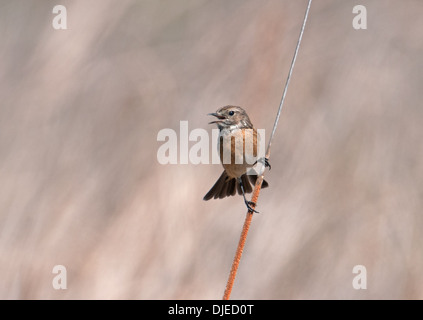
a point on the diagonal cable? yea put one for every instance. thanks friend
(257, 187)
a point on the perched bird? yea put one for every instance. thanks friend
(236, 156)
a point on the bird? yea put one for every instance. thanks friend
(237, 158)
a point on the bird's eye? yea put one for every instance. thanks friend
(231, 113)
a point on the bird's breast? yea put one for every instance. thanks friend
(238, 150)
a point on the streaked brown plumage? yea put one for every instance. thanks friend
(236, 132)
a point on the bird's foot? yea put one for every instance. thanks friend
(249, 204)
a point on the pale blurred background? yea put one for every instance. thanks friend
(81, 185)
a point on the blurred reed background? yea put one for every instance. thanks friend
(81, 185)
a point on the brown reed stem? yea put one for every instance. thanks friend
(257, 187)
(238, 255)
(241, 242)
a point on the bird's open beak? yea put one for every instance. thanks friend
(218, 116)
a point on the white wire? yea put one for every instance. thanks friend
(288, 79)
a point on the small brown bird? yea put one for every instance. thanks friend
(237, 157)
